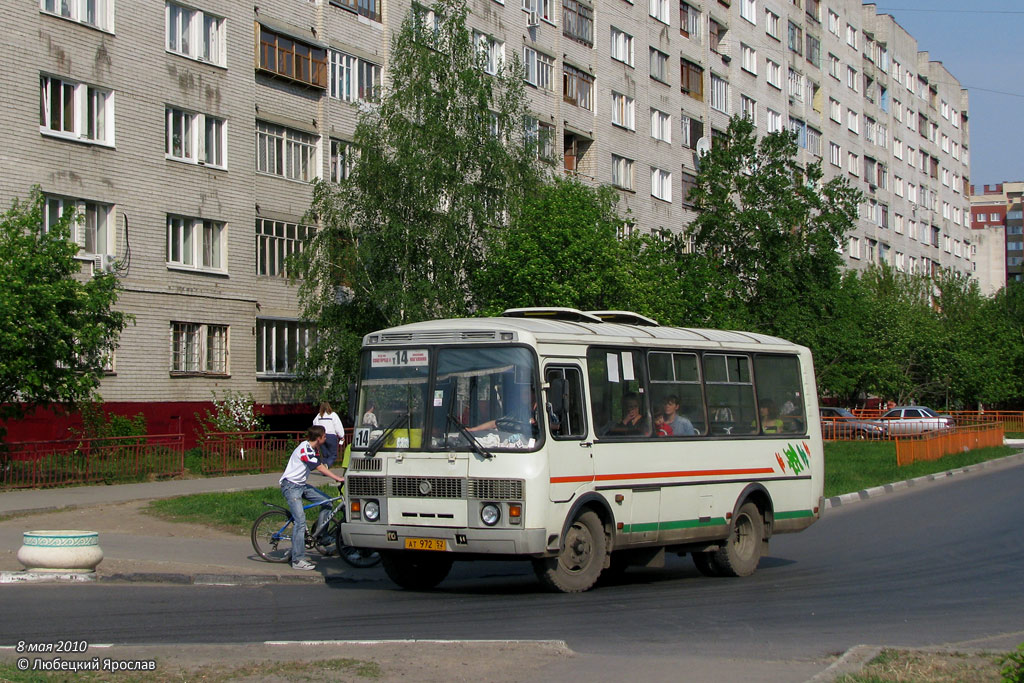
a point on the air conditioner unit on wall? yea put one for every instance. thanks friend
(103, 263)
(533, 19)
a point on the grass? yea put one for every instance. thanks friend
(166, 672)
(857, 465)
(907, 666)
(233, 512)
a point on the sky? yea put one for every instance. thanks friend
(980, 42)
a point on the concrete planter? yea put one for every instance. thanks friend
(60, 551)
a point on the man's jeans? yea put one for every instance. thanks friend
(294, 493)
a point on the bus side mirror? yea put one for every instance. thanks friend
(352, 403)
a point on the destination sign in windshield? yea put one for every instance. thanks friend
(400, 358)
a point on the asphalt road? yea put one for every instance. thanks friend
(942, 563)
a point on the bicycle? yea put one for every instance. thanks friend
(272, 535)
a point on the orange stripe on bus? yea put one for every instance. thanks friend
(661, 475)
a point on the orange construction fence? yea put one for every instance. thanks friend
(934, 445)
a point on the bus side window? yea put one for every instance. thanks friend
(779, 394)
(730, 394)
(565, 414)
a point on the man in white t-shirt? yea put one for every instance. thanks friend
(305, 459)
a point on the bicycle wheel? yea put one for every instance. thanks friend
(360, 558)
(272, 536)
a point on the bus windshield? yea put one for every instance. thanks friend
(459, 398)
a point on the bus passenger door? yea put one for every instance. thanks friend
(570, 455)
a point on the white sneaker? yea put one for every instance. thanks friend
(303, 564)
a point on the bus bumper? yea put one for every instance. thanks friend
(470, 541)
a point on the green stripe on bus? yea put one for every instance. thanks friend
(794, 514)
(678, 524)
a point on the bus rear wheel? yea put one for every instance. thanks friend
(416, 570)
(740, 553)
(705, 562)
(581, 559)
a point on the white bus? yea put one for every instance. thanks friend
(585, 442)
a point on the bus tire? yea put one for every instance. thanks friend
(705, 563)
(582, 556)
(416, 570)
(740, 553)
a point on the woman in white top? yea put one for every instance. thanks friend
(329, 420)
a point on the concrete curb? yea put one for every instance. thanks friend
(46, 577)
(866, 494)
(851, 661)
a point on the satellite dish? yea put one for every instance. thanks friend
(703, 146)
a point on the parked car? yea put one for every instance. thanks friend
(840, 423)
(915, 420)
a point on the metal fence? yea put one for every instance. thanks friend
(36, 464)
(934, 445)
(246, 452)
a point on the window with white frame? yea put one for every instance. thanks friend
(853, 121)
(795, 38)
(76, 111)
(91, 222)
(280, 344)
(661, 125)
(622, 111)
(539, 69)
(659, 10)
(276, 241)
(748, 108)
(353, 79)
(195, 138)
(692, 130)
(198, 348)
(855, 247)
(813, 141)
(541, 137)
(833, 23)
(343, 158)
(286, 152)
(852, 163)
(851, 36)
(661, 184)
(774, 121)
(773, 73)
(719, 94)
(795, 81)
(813, 52)
(748, 58)
(835, 111)
(622, 172)
(771, 24)
(578, 21)
(898, 223)
(833, 66)
(490, 51)
(689, 21)
(835, 154)
(852, 79)
(659, 65)
(897, 188)
(194, 34)
(748, 10)
(622, 46)
(98, 13)
(196, 243)
(577, 87)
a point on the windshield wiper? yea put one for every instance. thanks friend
(464, 430)
(379, 441)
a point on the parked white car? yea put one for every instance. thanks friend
(915, 420)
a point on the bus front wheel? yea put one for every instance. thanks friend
(740, 553)
(581, 559)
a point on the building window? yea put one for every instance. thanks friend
(276, 241)
(199, 349)
(835, 154)
(659, 10)
(661, 126)
(540, 137)
(813, 50)
(692, 131)
(98, 13)
(771, 24)
(195, 243)
(748, 58)
(689, 21)
(622, 172)
(773, 73)
(692, 80)
(716, 32)
(539, 68)
(367, 8)
(853, 121)
(774, 121)
(622, 46)
(833, 23)
(748, 10)
(343, 158)
(795, 38)
(286, 152)
(659, 65)
(293, 59)
(577, 87)
(195, 138)
(748, 109)
(813, 141)
(491, 50)
(833, 66)
(661, 184)
(91, 223)
(353, 79)
(280, 344)
(852, 81)
(853, 163)
(719, 94)
(578, 22)
(835, 111)
(795, 81)
(851, 36)
(622, 111)
(194, 34)
(689, 182)
(75, 110)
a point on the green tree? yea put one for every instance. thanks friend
(57, 328)
(443, 163)
(769, 229)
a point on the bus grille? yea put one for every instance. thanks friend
(427, 487)
(365, 486)
(365, 464)
(496, 489)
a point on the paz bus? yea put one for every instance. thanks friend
(584, 442)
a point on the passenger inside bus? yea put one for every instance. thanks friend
(632, 422)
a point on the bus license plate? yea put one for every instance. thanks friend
(425, 544)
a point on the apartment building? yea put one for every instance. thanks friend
(996, 216)
(186, 133)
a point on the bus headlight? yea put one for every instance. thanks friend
(490, 514)
(371, 510)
